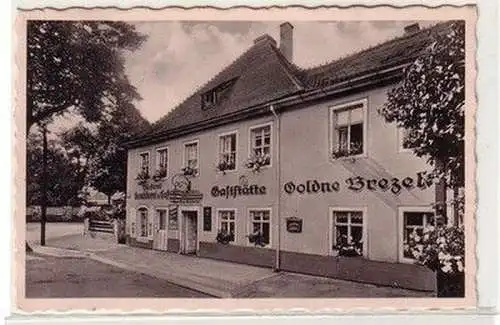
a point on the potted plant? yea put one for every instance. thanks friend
(356, 148)
(224, 237)
(257, 238)
(442, 249)
(257, 161)
(189, 171)
(143, 177)
(350, 248)
(225, 165)
(160, 174)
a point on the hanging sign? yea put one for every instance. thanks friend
(294, 225)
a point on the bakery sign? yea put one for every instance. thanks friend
(294, 225)
(421, 180)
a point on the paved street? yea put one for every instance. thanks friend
(53, 230)
(61, 277)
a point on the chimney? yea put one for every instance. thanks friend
(413, 28)
(286, 40)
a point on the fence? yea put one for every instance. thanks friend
(113, 229)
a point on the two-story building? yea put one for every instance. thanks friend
(273, 165)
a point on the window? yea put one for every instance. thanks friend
(414, 222)
(191, 156)
(260, 144)
(261, 223)
(162, 162)
(144, 163)
(215, 95)
(227, 152)
(227, 222)
(403, 135)
(348, 129)
(143, 222)
(348, 233)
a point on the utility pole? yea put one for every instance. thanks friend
(43, 187)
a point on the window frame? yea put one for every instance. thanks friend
(401, 228)
(364, 224)
(219, 225)
(164, 209)
(271, 144)
(250, 225)
(141, 161)
(187, 143)
(219, 153)
(157, 159)
(400, 136)
(333, 109)
(149, 224)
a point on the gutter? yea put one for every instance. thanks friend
(278, 187)
(300, 97)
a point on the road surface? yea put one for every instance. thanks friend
(60, 277)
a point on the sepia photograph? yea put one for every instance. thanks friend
(246, 159)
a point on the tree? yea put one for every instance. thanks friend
(64, 177)
(102, 148)
(430, 104)
(75, 66)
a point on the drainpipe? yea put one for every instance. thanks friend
(278, 187)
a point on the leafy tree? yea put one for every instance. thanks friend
(75, 66)
(429, 104)
(64, 178)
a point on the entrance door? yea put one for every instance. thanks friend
(160, 238)
(190, 221)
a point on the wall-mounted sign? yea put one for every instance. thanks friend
(151, 186)
(422, 181)
(175, 196)
(294, 225)
(232, 191)
(207, 218)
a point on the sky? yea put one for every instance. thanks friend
(180, 56)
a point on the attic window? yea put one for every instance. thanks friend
(215, 95)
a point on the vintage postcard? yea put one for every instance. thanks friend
(245, 159)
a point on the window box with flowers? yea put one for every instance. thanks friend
(257, 161)
(354, 150)
(189, 171)
(224, 166)
(442, 249)
(160, 174)
(257, 238)
(224, 237)
(142, 178)
(349, 248)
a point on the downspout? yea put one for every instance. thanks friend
(278, 187)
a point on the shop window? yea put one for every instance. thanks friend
(227, 223)
(348, 125)
(162, 162)
(260, 145)
(348, 233)
(414, 223)
(144, 163)
(191, 157)
(143, 222)
(261, 224)
(227, 152)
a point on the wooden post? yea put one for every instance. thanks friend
(43, 187)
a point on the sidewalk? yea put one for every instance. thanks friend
(216, 278)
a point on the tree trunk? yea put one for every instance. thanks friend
(43, 189)
(440, 197)
(109, 199)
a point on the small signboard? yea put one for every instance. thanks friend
(294, 225)
(207, 218)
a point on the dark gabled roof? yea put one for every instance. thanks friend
(398, 51)
(260, 75)
(263, 75)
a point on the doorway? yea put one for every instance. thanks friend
(160, 240)
(190, 231)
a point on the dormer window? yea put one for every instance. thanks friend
(214, 96)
